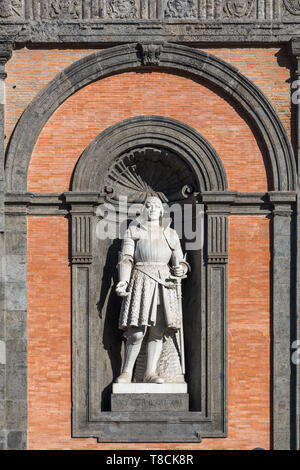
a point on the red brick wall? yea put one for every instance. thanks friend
(49, 319)
(29, 70)
(267, 68)
(108, 101)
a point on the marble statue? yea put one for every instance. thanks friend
(151, 266)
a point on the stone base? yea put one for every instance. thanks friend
(150, 402)
(150, 388)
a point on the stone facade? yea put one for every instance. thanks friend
(122, 72)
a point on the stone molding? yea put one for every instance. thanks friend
(115, 21)
(42, 204)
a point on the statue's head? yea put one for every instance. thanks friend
(153, 208)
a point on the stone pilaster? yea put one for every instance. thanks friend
(295, 50)
(5, 54)
(16, 328)
(217, 212)
(10, 351)
(81, 261)
(282, 303)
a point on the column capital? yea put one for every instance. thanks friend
(295, 47)
(295, 52)
(6, 49)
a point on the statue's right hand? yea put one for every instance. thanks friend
(121, 289)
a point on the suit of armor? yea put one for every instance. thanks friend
(150, 299)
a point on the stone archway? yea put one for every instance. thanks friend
(159, 131)
(167, 143)
(169, 57)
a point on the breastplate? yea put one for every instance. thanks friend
(152, 250)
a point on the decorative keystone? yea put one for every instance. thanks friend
(150, 53)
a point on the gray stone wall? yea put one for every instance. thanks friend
(14, 378)
(13, 305)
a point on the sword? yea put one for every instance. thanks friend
(177, 280)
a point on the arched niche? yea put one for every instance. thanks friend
(161, 132)
(177, 162)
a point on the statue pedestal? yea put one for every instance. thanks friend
(150, 397)
(150, 388)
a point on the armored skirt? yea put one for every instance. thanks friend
(147, 289)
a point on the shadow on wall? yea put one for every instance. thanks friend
(108, 306)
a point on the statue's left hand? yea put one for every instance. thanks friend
(121, 289)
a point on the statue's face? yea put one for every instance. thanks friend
(153, 208)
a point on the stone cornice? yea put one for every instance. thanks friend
(223, 202)
(97, 33)
(93, 22)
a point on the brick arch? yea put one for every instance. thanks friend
(173, 57)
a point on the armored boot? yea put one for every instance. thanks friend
(132, 349)
(154, 348)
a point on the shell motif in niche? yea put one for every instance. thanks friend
(149, 171)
